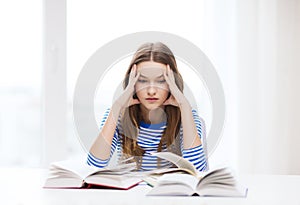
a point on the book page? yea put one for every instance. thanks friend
(174, 185)
(221, 175)
(78, 168)
(179, 161)
(71, 167)
(186, 179)
(220, 182)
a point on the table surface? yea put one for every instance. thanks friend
(24, 186)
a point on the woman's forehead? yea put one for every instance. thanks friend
(151, 69)
(153, 72)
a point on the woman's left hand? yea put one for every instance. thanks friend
(177, 98)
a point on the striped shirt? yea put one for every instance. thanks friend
(149, 138)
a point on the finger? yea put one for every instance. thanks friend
(166, 76)
(171, 73)
(132, 72)
(135, 79)
(168, 70)
(135, 70)
(137, 75)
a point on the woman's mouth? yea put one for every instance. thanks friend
(151, 100)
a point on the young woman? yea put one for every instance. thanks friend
(151, 115)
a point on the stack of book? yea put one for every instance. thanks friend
(183, 180)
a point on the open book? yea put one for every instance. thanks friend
(77, 174)
(216, 182)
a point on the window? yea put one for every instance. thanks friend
(20, 82)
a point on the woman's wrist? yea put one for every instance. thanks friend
(184, 105)
(117, 107)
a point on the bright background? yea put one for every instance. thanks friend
(254, 46)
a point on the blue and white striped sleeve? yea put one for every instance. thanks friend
(101, 163)
(197, 155)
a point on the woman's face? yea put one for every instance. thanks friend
(151, 87)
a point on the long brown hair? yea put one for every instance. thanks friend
(160, 53)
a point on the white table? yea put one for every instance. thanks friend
(24, 186)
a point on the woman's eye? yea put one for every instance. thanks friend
(142, 81)
(162, 81)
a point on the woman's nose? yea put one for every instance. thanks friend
(151, 89)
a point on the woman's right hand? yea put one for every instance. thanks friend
(126, 99)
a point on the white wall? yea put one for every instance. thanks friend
(208, 24)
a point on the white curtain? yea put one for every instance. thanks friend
(255, 47)
(268, 80)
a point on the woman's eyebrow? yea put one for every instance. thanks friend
(141, 76)
(147, 77)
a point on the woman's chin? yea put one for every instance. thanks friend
(152, 107)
